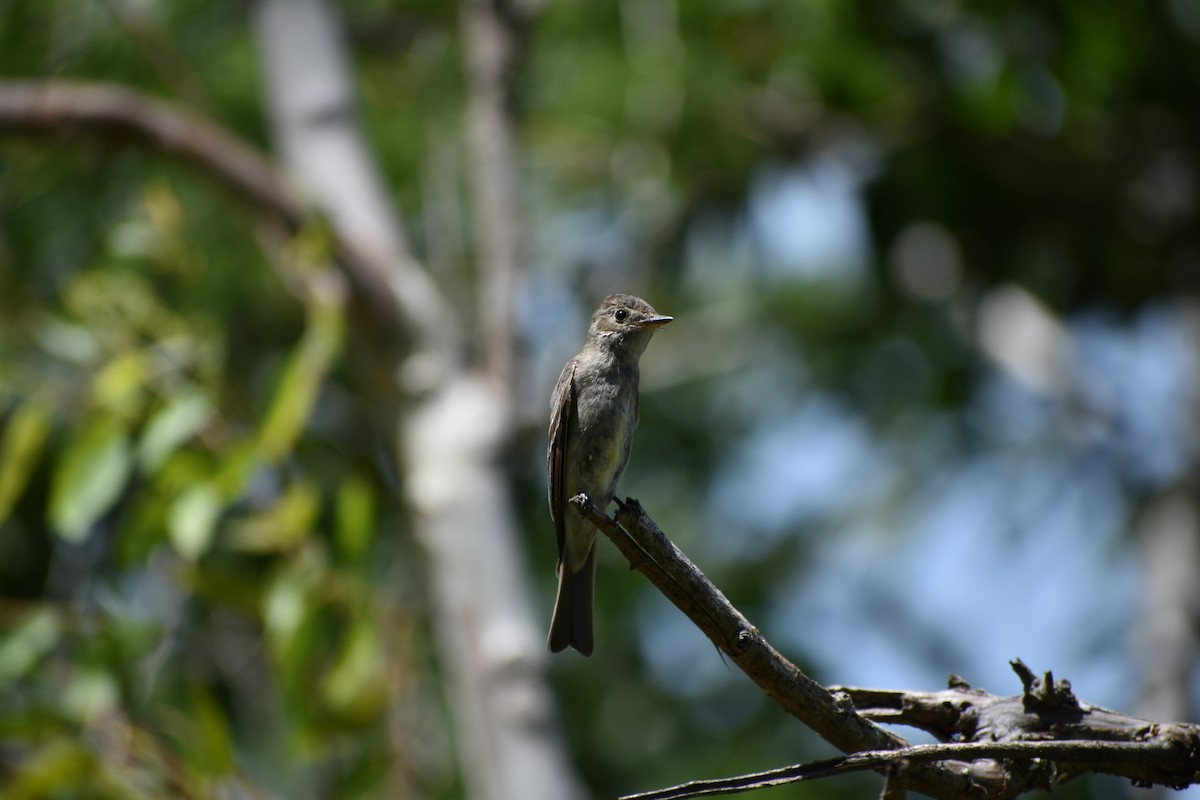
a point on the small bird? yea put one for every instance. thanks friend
(593, 413)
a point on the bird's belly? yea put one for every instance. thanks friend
(603, 461)
(602, 450)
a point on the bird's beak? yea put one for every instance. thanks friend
(654, 322)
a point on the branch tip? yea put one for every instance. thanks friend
(956, 681)
(1024, 673)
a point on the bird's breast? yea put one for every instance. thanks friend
(606, 407)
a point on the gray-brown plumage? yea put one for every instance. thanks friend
(593, 414)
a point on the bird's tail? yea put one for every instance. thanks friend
(571, 624)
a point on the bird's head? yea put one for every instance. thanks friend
(625, 323)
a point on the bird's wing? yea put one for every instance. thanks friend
(556, 450)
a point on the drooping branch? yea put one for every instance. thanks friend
(993, 747)
(62, 109)
(54, 110)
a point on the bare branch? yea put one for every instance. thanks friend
(996, 747)
(1089, 752)
(834, 719)
(1047, 709)
(91, 110)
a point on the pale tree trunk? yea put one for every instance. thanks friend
(452, 438)
(1165, 640)
(1168, 535)
(1034, 347)
(490, 45)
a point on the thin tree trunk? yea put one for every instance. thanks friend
(449, 444)
(1168, 536)
(490, 48)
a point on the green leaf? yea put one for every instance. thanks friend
(24, 439)
(210, 745)
(284, 606)
(300, 385)
(58, 768)
(354, 686)
(67, 340)
(237, 464)
(89, 478)
(193, 519)
(283, 525)
(120, 387)
(90, 694)
(179, 420)
(24, 647)
(355, 518)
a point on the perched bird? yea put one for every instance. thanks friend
(593, 413)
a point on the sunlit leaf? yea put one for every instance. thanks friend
(118, 304)
(67, 340)
(91, 693)
(355, 520)
(60, 768)
(301, 382)
(238, 464)
(120, 385)
(24, 647)
(163, 210)
(211, 748)
(355, 684)
(283, 608)
(179, 420)
(24, 439)
(192, 520)
(89, 478)
(133, 238)
(281, 526)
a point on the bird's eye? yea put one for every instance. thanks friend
(621, 315)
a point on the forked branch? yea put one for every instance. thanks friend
(992, 747)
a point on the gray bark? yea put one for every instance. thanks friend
(450, 442)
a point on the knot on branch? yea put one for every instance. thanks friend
(1044, 694)
(844, 702)
(743, 641)
(630, 511)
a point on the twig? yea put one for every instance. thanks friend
(1066, 752)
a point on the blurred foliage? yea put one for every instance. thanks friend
(206, 583)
